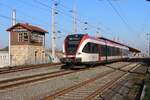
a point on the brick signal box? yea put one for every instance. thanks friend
(26, 44)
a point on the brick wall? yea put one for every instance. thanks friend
(27, 54)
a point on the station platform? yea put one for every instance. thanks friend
(140, 59)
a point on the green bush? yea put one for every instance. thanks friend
(147, 90)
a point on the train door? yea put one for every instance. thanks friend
(106, 52)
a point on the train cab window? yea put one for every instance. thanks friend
(72, 43)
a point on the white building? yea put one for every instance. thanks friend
(4, 58)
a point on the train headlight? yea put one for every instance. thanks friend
(78, 53)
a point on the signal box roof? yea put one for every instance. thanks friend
(28, 27)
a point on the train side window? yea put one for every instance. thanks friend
(111, 51)
(90, 48)
(114, 51)
(86, 48)
(108, 50)
(118, 52)
(103, 50)
(121, 52)
(94, 48)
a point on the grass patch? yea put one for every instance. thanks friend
(147, 90)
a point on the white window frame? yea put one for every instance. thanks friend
(20, 37)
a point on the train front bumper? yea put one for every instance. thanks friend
(71, 60)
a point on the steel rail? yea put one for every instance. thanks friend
(25, 67)
(4, 84)
(106, 87)
(71, 88)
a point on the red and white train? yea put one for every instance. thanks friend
(82, 49)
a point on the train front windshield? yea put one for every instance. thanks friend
(72, 43)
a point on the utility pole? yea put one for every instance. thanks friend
(74, 20)
(13, 23)
(14, 17)
(53, 35)
(148, 36)
(75, 23)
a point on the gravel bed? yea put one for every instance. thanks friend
(28, 72)
(117, 64)
(81, 93)
(40, 89)
(127, 89)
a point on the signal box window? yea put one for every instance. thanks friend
(20, 37)
(25, 37)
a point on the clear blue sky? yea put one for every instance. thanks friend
(130, 27)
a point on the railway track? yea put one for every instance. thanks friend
(25, 67)
(90, 88)
(14, 82)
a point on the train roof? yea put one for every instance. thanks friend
(134, 50)
(131, 49)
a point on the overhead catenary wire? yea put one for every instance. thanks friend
(99, 27)
(88, 23)
(68, 15)
(4, 25)
(24, 14)
(78, 20)
(121, 10)
(44, 8)
(33, 5)
(120, 16)
(18, 20)
(59, 11)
